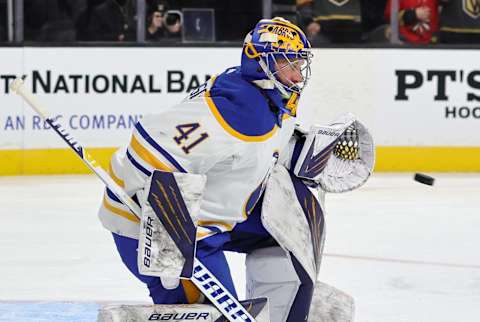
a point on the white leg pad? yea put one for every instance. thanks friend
(270, 273)
(140, 313)
(177, 312)
(329, 304)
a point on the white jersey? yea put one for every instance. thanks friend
(226, 130)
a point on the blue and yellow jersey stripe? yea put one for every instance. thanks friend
(204, 232)
(147, 155)
(137, 163)
(114, 175)
(152, 145)
(252, 200)
(207, 228)
(218, 226)
(230, 130)
(116, 207)
(236, 131)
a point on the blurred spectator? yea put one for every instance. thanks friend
(155, 29)
(3, 20)
(156, 19)
(162, 23)
(51, 20)
(113, 20)
(173, 25)
(418, 20)
(164, 26)
(335, 21)
(460, 22)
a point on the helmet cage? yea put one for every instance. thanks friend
(273, 68)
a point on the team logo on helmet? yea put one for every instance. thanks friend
(339, 3)
(472, 8)
(286, 38)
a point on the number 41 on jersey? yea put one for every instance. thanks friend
(187, 138)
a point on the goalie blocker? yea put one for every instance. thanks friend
(167, 239)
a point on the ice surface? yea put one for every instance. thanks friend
(405, 251)
(48, 312)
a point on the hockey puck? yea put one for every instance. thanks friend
(423, 178)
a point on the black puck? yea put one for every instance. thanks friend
(423, 178)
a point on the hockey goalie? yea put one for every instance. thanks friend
(227, 169)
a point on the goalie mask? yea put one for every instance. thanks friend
(275, 45)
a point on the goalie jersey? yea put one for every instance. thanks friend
(228, 129)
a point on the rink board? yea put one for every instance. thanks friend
(389, 159)
(420, 105)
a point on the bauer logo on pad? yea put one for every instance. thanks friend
(167, 202)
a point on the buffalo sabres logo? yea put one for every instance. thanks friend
(339, 3)
(472, 8)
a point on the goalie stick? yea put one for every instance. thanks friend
(206, 282)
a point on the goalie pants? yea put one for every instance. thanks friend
(244, 238)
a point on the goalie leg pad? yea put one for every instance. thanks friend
(179, 313)
(330, 304)
(274, 274)
(294, 217)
